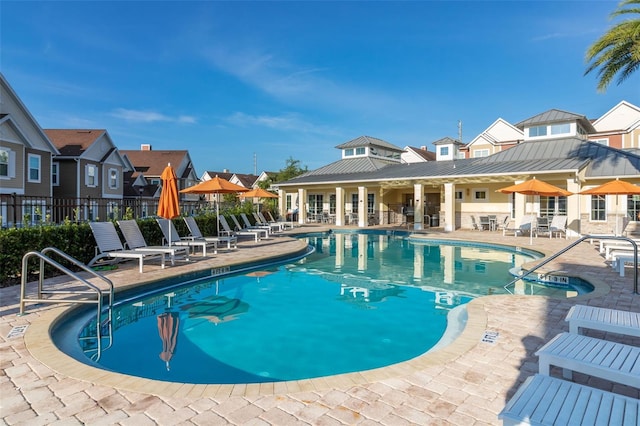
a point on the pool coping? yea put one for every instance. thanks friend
(38, 342)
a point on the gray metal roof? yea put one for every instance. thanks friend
(368, 140)
(531, 157)
(556, 116)
(447, 141)
(351, 165)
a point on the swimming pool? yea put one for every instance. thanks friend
(359, 301)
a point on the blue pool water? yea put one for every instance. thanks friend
(359, 301)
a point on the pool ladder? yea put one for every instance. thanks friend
(103, 327)
(575, 243)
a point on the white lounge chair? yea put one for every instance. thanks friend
(109, 246)
(604, 319)
(172, 237)
(134, 240)
(544, 400)
(558, 226)
(285, 224)
(622, 258)
(524, 227)
(196, 234)
(228, 231)
(264, 233)
(257, 225)
(261, 220)
(611, 361)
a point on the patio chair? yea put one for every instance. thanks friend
(504, 224)
(172, 237)
(474, 224)
(109, 246)
(196, 234)
(485, 223)
(134, 240)
(263, 232)
(228, 231)
(558, 226)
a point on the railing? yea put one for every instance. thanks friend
(92, 290)
(575, 243)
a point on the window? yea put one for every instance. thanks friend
(4, 163)
(113, 211)
(480, 153)
(537, 131)
(315, 203)
(332, 204)
(553, 206)
(288, 202)
(371, 203)
(34, 168)
(603, 141)
(560, 129)
(91, 178)
(354, 203)
(444, 151)
(459, 196)
(598, 207)
(113, 178)
(348, 152)
(360, 151)
(480, 194)
(55, 174)
(633, 207)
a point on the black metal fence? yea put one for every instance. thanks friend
(19, 210)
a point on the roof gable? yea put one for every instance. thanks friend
(369, 141)
(623, 116)
(155, 161)
(556, 116)
(74, 142)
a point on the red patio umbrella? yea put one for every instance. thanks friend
(168, 323)
(169, 206)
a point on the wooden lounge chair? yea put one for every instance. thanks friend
(544, 400)
(196, 234)
(611, 361)
(604, 319)
(134, 240)
(172, 237)
(228, 231)
(109, 246)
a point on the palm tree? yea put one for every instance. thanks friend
(618, 50)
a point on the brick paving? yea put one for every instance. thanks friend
(465, 383)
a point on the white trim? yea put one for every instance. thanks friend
(39, 158)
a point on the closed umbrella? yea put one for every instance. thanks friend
(168, 323)
(169, 206)
(614, 187)
(217, 185)
(535, 187)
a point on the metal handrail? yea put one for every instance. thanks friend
(575, 243)
(93, 289)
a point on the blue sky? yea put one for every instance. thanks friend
(237, 81)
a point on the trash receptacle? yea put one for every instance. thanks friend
(435, 220)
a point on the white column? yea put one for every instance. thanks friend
(362, 206)
(302, 206)
(418, 206)
(362, 251)
(418, 262)
(573, 208)
(339, 206)
(282, 203)
(521, 205)
(449, 212)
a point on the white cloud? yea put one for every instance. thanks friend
(150, 116)
(288, 122)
